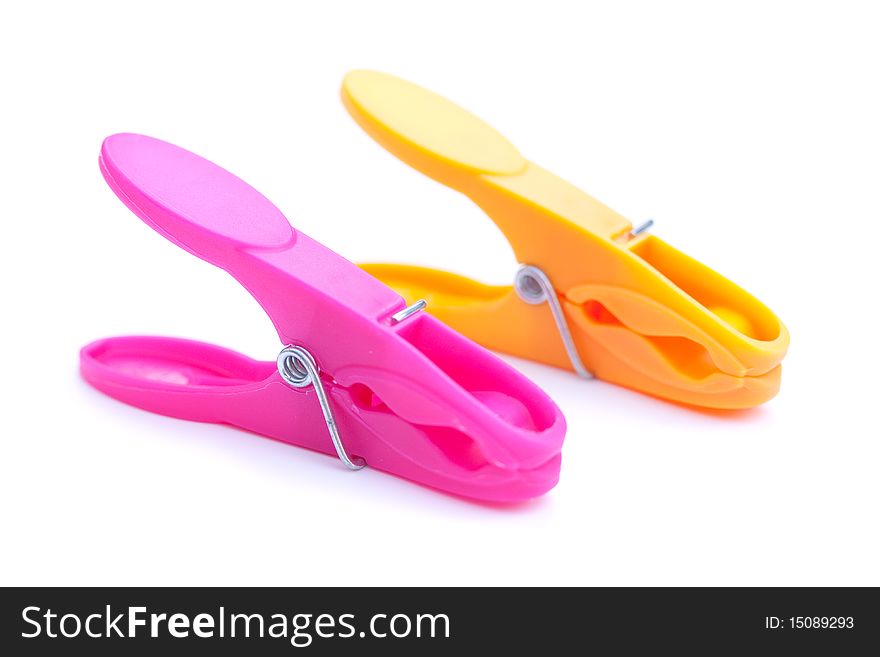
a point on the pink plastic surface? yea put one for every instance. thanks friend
(415, 399)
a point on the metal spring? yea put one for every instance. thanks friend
(298, 369)
(534, 287)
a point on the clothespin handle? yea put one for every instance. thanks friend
(540, 214)
(306, 289)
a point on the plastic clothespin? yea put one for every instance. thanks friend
(624, 306)
(361, 375)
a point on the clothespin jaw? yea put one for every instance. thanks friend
(361, 374)
(640, 313)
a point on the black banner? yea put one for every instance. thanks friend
(114, 621)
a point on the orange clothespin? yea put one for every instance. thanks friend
(624, 306)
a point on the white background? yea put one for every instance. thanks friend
(749, 131)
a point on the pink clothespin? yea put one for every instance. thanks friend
(360, 376)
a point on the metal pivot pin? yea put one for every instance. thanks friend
(401, 315)
(298, 369)
(534, 287)
(641, 228)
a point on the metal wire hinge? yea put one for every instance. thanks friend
(534, 287)
(298, 369)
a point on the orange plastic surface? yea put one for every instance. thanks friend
(642, 314)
